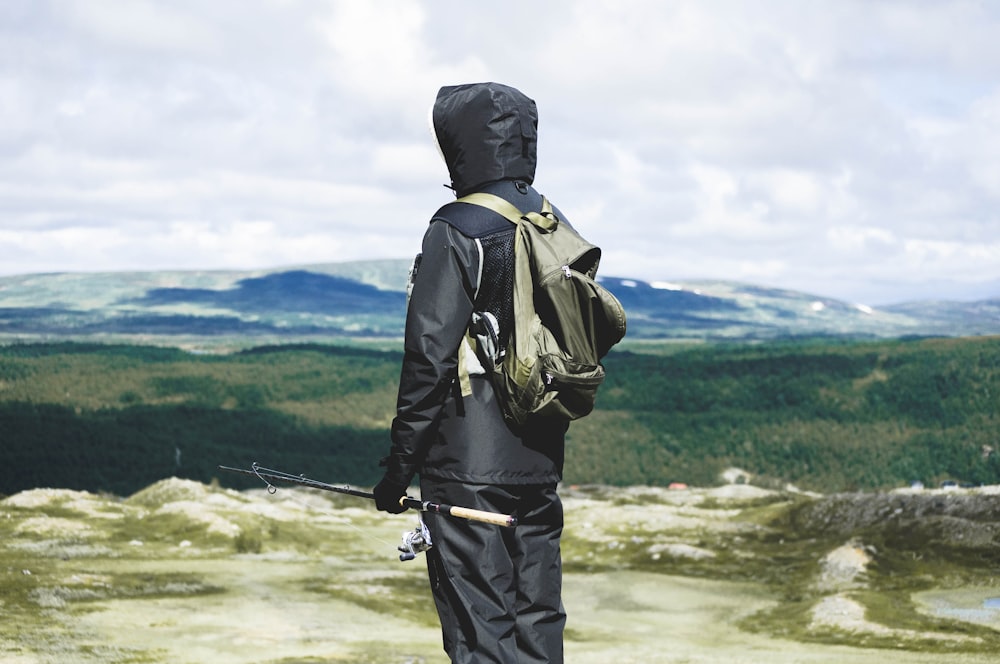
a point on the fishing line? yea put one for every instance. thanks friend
(414, 542)
(271, 489)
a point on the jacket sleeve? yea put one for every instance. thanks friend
(437, 318)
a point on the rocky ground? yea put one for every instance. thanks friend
(184, 572)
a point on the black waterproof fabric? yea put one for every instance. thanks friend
(498, 592)
(436, 432)
(487, 132)
(496, 237)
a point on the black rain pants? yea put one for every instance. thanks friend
(498, 591)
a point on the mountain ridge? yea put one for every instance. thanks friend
(366, 299)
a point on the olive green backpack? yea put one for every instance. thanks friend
(564, 321)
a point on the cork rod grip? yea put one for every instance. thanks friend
(504, 520)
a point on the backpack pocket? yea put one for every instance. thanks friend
(554, 386)
(588, 317)
(570, 387)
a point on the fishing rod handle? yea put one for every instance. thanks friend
(504, 520)
(494, 518)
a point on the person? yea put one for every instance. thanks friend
(498, 591)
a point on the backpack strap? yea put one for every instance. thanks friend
(545, 220)
(467, 345)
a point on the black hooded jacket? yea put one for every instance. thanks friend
(487, 135)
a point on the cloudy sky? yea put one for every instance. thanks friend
(846, 149)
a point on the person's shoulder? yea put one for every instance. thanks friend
(524, 196)
(473, 221)
(476, 221)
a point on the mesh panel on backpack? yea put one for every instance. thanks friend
(496, 290)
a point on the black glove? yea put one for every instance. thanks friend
(387, 495)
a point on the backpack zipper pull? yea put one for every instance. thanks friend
(566, 272)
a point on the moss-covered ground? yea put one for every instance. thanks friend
(188, 572)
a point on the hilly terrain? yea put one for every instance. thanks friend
(751, 487)
(822, 415)
(366, 300)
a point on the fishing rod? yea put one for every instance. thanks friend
(413, 542)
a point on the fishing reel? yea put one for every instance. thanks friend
(414, 542)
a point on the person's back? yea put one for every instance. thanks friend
(498, 594)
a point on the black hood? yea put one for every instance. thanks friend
(486, 132)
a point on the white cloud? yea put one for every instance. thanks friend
(140, 24)
(841, 147)
(860, 239)
(960, 260)
(381, 53)
(408, 163)
(796, 191)
(725, 211)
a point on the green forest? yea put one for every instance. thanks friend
(823, 415)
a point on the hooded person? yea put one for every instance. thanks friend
(497, 590)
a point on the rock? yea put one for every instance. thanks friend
(966, 519)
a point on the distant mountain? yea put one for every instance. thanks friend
(367, 299)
